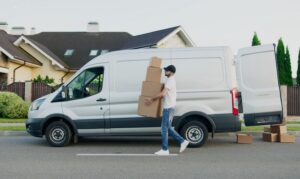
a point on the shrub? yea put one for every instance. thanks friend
(12, 106)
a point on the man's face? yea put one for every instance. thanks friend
(168, 73)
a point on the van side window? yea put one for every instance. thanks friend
(87, 83)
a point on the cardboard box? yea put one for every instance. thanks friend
(270, 137)
(150, 88)
(244, 139)
(155, 62)
(153, 74)
(279, 129)
(154, 110)
(287, 138)
(267, 129)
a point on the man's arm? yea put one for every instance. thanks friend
(158, 96)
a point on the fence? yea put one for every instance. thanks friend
(17, 87)
(293, 100)
(39, 89)
(35, 90)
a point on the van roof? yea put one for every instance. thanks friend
(104, 58)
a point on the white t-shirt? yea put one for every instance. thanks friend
(170, 97)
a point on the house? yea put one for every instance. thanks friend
(59, 55)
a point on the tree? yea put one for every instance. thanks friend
(298, 71)
(46, 80)
(255, 40)
(38, 79)
(280, 55)
(288, 68)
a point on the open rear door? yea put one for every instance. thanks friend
(259, 86)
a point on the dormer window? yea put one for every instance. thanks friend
(93, 52)
(104, 51)
(69, 52)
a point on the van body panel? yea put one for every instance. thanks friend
(126, 83)
(259, 85)
(205, 85)
(206, 101)
(84, 110)
(226, 122)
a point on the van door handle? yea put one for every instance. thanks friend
(101, 99)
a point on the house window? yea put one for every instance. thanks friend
(104, 51)
(69, 52)
(93, 52)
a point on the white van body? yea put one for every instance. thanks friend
(205, 78)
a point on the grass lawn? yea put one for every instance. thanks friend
(244, 129)
(293, 122)
(6, 120)
(261, 128)
(12, 128)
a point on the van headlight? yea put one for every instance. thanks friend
(36, 104)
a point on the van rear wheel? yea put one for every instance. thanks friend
(58, 134)
(195, 132)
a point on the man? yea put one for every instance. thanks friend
(169, 95)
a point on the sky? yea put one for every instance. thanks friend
(208, 22)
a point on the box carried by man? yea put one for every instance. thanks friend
(150, 87)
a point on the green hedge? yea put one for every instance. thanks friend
(12, 106)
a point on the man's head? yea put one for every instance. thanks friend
(170, 70)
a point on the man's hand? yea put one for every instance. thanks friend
(149, 101)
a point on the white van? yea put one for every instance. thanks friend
(102, 97)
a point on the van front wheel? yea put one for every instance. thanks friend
(195, 132)
(58, 134)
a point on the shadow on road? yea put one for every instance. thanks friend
(130, 141)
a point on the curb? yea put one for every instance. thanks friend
(295, 133)
(13, 133)
(231, 134)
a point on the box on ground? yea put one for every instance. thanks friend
(155, 62)
(150, 88)
(287, 138)
(153, 74)
(153, 110)
(244, 139)
(279, 129)
(267, 129)
(270, 137)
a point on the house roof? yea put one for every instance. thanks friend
(54, 45)
(148, 39)
(57, 43)
(49, 52)
(6, 43)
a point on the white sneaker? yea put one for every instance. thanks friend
(183, 145)
(162, 152)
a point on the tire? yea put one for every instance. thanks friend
(195, 132)
(58, 134)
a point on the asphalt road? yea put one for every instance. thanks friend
(29, 157)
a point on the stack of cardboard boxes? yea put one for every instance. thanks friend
(151, 87)
(278, 133)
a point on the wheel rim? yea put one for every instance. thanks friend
(57, 135)
(194, 134)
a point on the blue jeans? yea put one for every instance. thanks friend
(166, 127)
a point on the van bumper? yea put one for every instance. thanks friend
(34, 127)
(226, 123)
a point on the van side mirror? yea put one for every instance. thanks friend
(64, 92)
